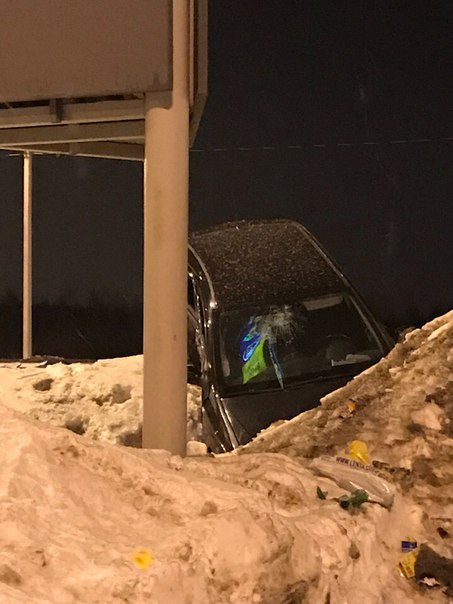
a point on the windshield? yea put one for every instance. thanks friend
(262, 347)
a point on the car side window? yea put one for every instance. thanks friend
(193, 354)
(195, 302)
(190, 292)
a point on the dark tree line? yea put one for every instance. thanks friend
(95, 330)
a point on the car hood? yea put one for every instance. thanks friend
(252, 412)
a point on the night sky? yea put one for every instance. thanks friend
(337, 113)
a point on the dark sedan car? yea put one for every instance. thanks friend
(274, 325)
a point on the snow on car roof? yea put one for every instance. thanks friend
(264, 261)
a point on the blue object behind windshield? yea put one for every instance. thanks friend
(249, 340)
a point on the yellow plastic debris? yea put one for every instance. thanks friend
(142, 558)
(351, 406)
(406, 564)
(348, 410)
(358, 450)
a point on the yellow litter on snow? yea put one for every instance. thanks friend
(406, 564)
(358, 450)
(142, 558)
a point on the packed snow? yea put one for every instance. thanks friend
(101, 400)
(96, 522)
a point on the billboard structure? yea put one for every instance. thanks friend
(121, 80)
(74, 74)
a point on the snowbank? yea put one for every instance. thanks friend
(102, 400)
(239, 528)
(229, 530)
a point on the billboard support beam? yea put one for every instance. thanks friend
(105, 150)
(73, 113)
(166, 186)
(27, 260)
(131, 130)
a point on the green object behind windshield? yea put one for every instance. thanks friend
(255, 365)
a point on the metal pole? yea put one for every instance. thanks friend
(27, 261)
(166, 186)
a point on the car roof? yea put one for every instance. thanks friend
(265, 261)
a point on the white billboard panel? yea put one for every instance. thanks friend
(84, 48)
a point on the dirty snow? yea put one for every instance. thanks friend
(238, 528)
(101, 400)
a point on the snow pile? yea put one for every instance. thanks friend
(102, 400)
(227, 530)
(233, 529)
